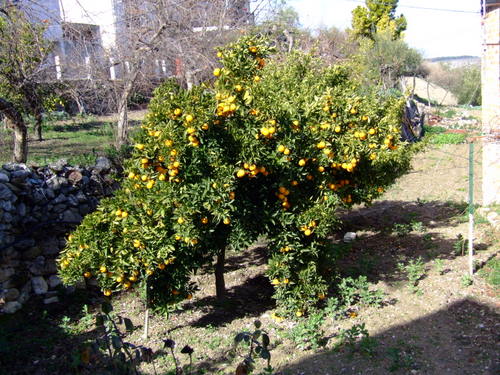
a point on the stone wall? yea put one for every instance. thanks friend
(491, 107)
(38, 207)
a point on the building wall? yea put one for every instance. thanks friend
(491, 107)
(94, 12)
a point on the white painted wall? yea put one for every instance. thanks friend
(94, 12)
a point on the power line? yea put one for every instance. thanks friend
(423, 8)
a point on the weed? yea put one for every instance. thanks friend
(417, 226)
(358, 339)
(352, 291)
(258, 347)
(439, 263)
(414, 270)
(82, 325)
(402, 357)
(491, 272)
(308, 334)
(447, 138)
(466, 280)
(401, 229)
(460, 245)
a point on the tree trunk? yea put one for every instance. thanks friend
(20, 130)
(220, 285)
(38, 125)
(122, 126)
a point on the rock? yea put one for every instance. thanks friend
(21, 209)
(39, 285)
(61, 198)
(6, 206)
(36, 268)
(25, 243)
(11, 307)
(11, 294)
(31, 253)
(49, 300)
(54, 281)
(56, 182)
(59, 165)
(11, 167)
(72, 216)
(349, 237)
(84, 209)
(50, 267)
(50, 246)
(4, 177)
(75, 177)
(19, 176)
(25, 293)
(5, 192)
(103, 163)
(6, 273)
(49, 193)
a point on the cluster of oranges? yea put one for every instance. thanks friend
(282, 195)
(251, 170)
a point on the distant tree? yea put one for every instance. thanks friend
(384, 60)
(377, 16)
(282, 26)
(23, 52)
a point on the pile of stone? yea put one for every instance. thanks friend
(38, 207)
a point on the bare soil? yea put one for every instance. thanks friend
(448, 327)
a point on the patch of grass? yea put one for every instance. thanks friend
(491, 272)
(447, 139)
(434, 129)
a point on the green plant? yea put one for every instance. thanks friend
(439, 263)
(216, 167)
(460, 245)
(491, 272)
(81, 325)
(187, 350)
(417, 226)
(401, 229)
(307, 333)
(466, 280)
(119, 356)
(448, 139)
(258, 347)
(352, 291)
(402, 357)
(358, 339)
(414, 270)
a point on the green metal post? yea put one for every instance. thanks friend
(471, 208)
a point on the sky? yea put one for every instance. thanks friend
(433, 32)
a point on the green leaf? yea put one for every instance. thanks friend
(129, 326)
(257, 324)
(265, 340)
(116, 342)
(106, 307)
(264, 354)
(99, 320)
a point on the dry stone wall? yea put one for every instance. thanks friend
(38, 207)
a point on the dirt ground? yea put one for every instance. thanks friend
(447, 327)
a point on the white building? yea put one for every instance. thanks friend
(89, 30)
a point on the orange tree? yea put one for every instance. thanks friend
(270, 149)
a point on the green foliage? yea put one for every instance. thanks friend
(460, 245)
(402, 357)
(448, 139)
(414, 270)
(377, 16)
(352, 291)
(258, 343)
(308, 334)
(491, 272)
(23, 50)
(272, 148)
(466, 280)
(439, 263)
(383, 60)
(358, 339)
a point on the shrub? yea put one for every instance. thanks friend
(271, 148)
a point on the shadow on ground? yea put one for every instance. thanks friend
(459, 339)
